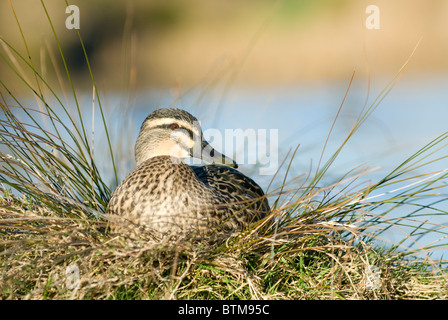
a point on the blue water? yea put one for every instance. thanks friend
(411, 115)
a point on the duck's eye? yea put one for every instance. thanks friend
(174, 126)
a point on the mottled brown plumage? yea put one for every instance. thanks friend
(164, 197)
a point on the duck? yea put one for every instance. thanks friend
(165, 198)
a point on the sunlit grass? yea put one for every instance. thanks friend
(320, 241)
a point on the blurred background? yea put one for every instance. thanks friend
(185, 43)
(281, 66)
(274, 65)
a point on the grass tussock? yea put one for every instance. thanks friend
(45, 256)
(322, 240)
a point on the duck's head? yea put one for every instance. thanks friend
(176, 133)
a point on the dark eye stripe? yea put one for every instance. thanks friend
(168, 126)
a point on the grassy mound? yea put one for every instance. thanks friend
(321, 240)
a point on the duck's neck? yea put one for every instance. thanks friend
(162, 160)
(168, 149)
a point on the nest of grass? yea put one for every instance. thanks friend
(44, 256)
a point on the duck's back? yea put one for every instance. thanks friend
(235, 191)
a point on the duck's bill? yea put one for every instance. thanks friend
(211, 156)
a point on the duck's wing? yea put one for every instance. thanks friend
(232, 185)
